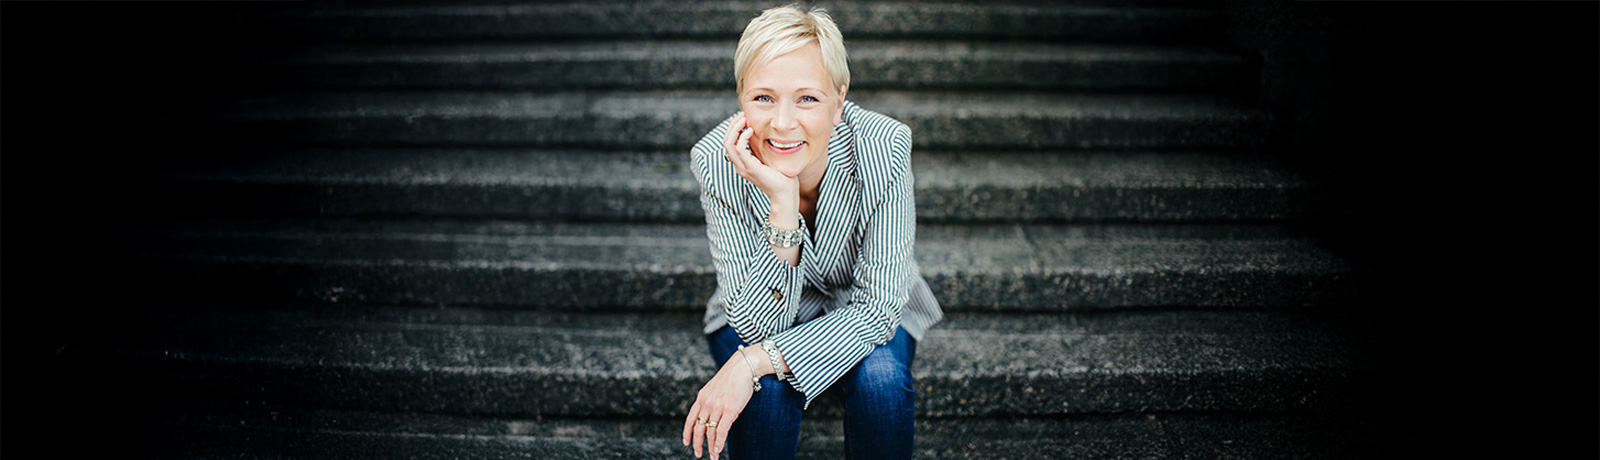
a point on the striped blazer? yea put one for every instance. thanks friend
(857, 278)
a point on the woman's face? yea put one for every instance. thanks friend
(791, 108)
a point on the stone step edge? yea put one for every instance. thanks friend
(1030, 267)
(634, 186)
(321, 363)
(1143, 23)
(358, 435)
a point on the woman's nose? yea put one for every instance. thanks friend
(785, 119)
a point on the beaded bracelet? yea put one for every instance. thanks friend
(754, 379)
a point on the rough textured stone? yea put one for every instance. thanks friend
(677, 119)
(659, 266)
(631, 186)
(210, 433)
(726, 19)
(532, 364)
(874, 64)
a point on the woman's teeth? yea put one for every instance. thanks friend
(785, 146)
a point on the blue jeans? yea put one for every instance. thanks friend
(879, 405)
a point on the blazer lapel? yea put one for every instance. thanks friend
(836, 210)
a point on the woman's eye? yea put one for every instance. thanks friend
(763, 98)
(808, 99)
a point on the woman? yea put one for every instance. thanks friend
(809, 209)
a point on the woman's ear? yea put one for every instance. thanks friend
(838, 116)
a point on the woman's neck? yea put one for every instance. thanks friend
(811, 180)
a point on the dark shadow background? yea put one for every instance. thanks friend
(1460, 141)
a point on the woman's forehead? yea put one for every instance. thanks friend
(799, 69)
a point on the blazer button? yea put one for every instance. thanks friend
(776, 295)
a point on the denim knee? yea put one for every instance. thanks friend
(885, 374)
(880, 404)
(880, 376)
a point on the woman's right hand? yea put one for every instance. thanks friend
(778, 187)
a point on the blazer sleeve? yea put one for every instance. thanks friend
(822, 350)
(762, 292)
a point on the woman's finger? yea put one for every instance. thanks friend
(688, 424)
(739, 156)
(711, 438)
(723, 425)
(699, 433)
(734, 125)
(730, 138)
(746, 148)
(744, 140)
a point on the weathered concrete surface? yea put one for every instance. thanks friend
(209, 433)
(1173, 22)
(672, 120)
(668, 266)
(541, 364)
(657, 186)
(874, 64)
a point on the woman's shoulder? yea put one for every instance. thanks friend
(883, 145)
(872, 126)
(711, 143)
(705, 159)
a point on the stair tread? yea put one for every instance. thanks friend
(667, 267)
(969, 364)
(860, 50)
(354, 434)
(679, 118)
(657, 186)
(727, 19)
(682, 248)
(669, 171)
(875, 64)
(629, 345)
(713, 106)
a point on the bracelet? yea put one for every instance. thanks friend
(754, 378)
(777, 368)
(783, 238)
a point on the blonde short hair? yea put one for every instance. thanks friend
(787, 28)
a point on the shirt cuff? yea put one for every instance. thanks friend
(821, 351)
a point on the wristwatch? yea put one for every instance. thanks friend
(772, 353)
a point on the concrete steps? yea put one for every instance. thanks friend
(531, 364)
(674, 120)
(429, 230)
(674, 64)
(583, 185)
(212, 433)
(1173, 22)
(640, 266)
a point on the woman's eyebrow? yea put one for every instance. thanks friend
(805, 88)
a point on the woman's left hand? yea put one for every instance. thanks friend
(720, 401)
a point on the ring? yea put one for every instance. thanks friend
(727, 157)
(702, 420)
(711, 424)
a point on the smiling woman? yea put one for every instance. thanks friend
(811, 219)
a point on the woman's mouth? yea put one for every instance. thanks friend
(784, 147)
